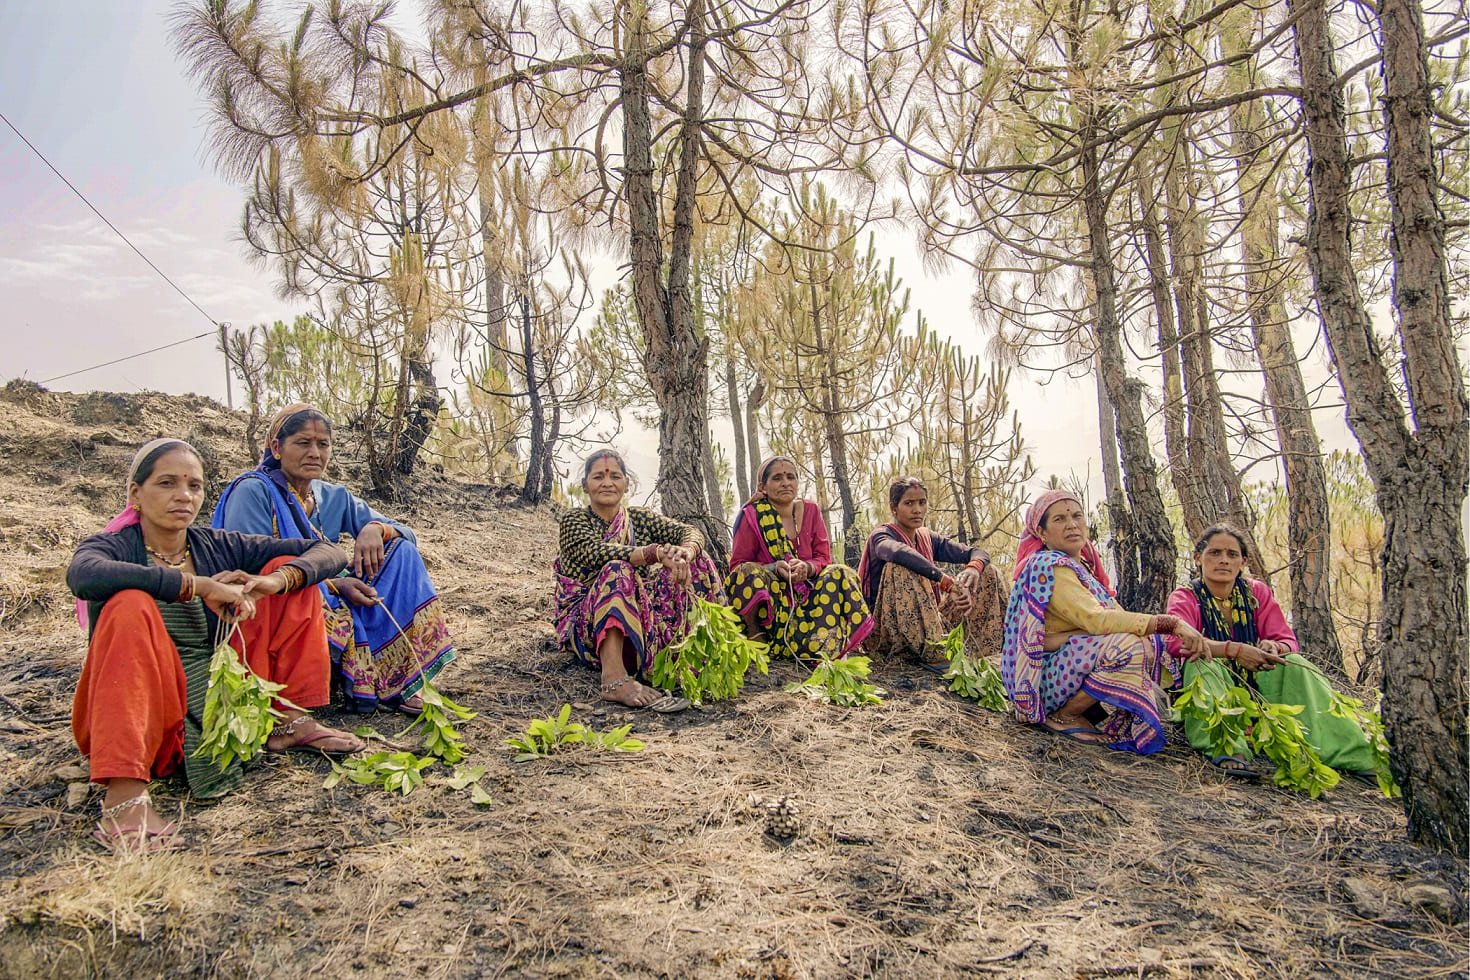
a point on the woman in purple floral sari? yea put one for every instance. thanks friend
(1071, 656)
(626, 578)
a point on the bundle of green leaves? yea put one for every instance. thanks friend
(556, 733)
(711, 662)
(402, 771)
(1238, 721)
(239, 711)
(841, 682)
(977, 680)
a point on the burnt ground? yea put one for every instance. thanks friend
(935, 838)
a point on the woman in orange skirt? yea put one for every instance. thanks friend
(156, 589)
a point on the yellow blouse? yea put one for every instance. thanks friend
(1073, 607)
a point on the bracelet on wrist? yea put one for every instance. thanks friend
(946, 584)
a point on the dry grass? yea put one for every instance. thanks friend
(937, 839)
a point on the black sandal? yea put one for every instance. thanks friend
(1235, 767)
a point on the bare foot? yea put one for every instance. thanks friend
(304, 732)
(627, 691)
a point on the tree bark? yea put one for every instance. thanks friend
(536, 459)
(1122, 543)
(677, 354)
(753, 403)
(1421, 477)
(1150, 523)
(1184, 476)
(1215, 482)
(835, 435)
(737, 423)
(1309, 525)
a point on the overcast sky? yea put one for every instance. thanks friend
(96, 86)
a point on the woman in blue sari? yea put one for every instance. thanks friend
(385, 588)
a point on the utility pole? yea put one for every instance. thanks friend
(224, 348)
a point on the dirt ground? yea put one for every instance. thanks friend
(936, 838)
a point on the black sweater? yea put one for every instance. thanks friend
(106, 564)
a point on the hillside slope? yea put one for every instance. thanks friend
(937, 839)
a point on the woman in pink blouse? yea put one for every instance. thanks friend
(782, 580)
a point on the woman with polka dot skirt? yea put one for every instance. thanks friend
(782, 579)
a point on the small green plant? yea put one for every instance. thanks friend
(555, 733)
(396, 772)
(402, 771)
(977, 680)
(711, 662)
(441, 739)
(239, 711)
(1237, 721)
(840, 682)
(1370, 720)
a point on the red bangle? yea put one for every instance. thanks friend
(978, 564)
(946, 584)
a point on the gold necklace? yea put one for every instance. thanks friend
(179, 559)
(307, 500)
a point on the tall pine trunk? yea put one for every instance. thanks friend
(1309, 530)
(1149, 523)
(677, 354)
(1421, 476)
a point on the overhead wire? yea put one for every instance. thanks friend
(115, 230)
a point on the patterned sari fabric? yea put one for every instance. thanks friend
(823, 616)
(643, 603)
(378, 663)
(1120, 670)
(911, 620)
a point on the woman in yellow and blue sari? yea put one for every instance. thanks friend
(388, 586)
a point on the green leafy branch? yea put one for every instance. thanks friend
(441, 739)
(239, 709)
(840, 682)
(401, 771)
(396, 772)
(544, 737)
(1370, 720)
(976, 679)
(1238, 721)
(711, 661)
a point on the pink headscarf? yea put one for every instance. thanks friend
(129, 515)
(1031, 541)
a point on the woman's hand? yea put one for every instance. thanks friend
(676, 560)
(227, 594)
(1191, 642)
(356, 591)
(1274, 648)
(799, 570)
(1257, 657)
(969, 580)
(367, 551)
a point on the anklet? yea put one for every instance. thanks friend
(112, 812)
